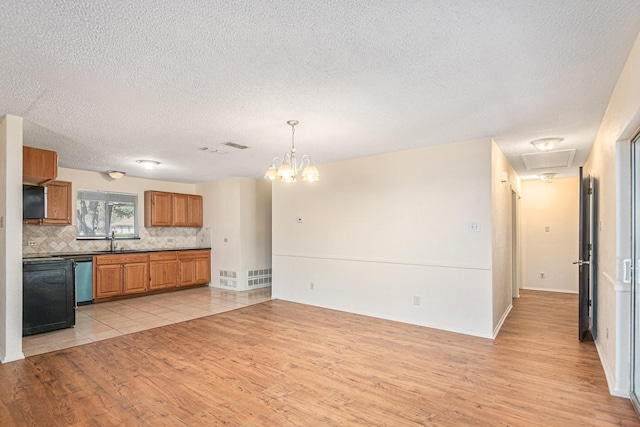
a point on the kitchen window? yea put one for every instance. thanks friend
(99, 213)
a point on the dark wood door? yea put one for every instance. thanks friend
(583, 257)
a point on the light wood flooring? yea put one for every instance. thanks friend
(96, 322)
(283, 364)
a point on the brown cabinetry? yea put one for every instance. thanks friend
(38, 166)
(157, 209)
(115, 275)
(194, 211)
(58, 203)
(163, 209)
(186, 210)
(163, 270)
(194, 267)
(59, 194)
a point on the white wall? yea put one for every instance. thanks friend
(10, 238)
(255, 225)
(553, 205)
(620, 123)
(503, 183)
(238, 213)
(381, 230)
(221, 202)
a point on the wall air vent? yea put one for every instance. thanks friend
(260, 277)
(549, 159)
(234, 145)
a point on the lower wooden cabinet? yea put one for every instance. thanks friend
(115, 275)
(163, 270)
(135, 277)
(107, 280)
(124, 274)
(194, 267)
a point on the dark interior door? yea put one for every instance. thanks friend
(583, 257)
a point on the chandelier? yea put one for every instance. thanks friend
(289, 168)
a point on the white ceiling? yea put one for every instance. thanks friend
(107, 82)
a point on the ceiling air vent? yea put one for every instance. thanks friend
(212, 150)
(549, 159)
(234, 145)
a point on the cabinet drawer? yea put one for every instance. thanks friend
(185, 255)
(120, 259)
(162, 256)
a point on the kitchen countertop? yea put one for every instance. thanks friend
(93, 253)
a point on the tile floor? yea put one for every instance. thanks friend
(97, 322)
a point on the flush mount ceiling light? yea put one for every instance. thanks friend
(289, 168)
(148, 164)
(547, 177)
(546, 144)
(116, 174)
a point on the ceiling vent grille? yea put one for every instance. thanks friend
(234, 145)
(212, 150)
(549, 160)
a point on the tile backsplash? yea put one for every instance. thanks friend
(61, 239)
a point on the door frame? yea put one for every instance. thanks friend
(584, 249)
(515, 283)
(634, 394)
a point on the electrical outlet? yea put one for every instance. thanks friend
(416, 300)
(474, 227)
(542, 274)
(32, 243)
(311, 285)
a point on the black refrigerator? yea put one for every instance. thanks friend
(48, 301)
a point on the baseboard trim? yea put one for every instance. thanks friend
(564, 291)
(501, 322)
(611, 382)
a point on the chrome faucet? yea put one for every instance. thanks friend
(112, 241)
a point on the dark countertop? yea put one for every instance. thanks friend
(93, 253)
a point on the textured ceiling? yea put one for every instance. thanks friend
(108, 82)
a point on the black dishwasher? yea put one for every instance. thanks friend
(48, 295)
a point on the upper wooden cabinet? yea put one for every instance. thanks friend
(58, 204)
(186, 210)
(157, 209)
(195, 211)
(163, 209)
(38, 166)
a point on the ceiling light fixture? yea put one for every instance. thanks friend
(289, 168)
(547, 177)
(546, 144)
(148, 164)
(116, 174)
